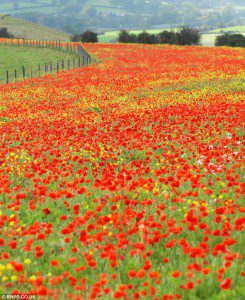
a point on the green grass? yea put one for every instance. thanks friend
(208, 39)
(23, 29)
(12, 57)
(240, 29)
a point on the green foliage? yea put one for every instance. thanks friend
(188, 36)
(167, 37)
(4, 33)
(87, 36)
(126, 37)
(147, 38)
(185, 36)
(231, 40)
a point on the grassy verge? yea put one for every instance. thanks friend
(13, 57)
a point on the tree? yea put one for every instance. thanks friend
(126, 37)
(4, 33)
(147, 38)
(167, 37)
(188, 36)
(87, 36)
(76, 38)
(231, 40)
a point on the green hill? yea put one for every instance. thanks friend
(23, 29)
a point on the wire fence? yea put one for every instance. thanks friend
(82, 58)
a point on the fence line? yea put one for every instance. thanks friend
(37, 43)
(83, 59)
(46, 68)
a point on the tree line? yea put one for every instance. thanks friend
(184, 36)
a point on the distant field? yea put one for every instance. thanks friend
(48, 6)
(25, 6)
(105, 6)
(12, 57)
(206, 40)
(232, 29)
(23, 29)
(209, 39)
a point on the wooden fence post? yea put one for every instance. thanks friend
(15, 74)
(7, 76)
(62, 64)
(31, 74)
(68, 64)
(39, 70)
(23, 72)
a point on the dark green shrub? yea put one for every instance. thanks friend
(188, 36)
(231, 40)
(147, 38)
(4, 33)
(126, 37)
(167, 37)
(87, 36)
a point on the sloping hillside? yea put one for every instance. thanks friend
(23, 29)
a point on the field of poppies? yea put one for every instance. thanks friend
(125, 179)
